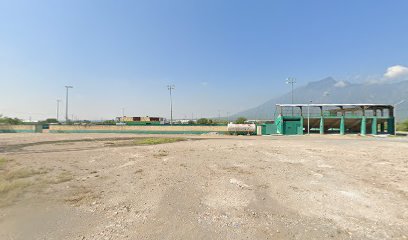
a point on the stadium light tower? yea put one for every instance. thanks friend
(66, 104)
(170, 88)
(291, 81)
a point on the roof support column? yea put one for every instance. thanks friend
(301, 131)
(321, 121)
(363, 123)
(342, 123)
(374, 126)
(390, 125)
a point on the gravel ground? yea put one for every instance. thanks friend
(104, 186)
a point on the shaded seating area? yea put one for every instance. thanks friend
(297, 119)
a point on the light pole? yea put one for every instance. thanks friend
(395, 115)
(291, 81)
(123, 112)
(308, 118)
(66, 104)
(170, 88)
(58, 102)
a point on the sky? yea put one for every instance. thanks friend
(223, 56)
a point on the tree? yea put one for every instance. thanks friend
(202, 121)
(240, 120)
(11, 121)
(221, 122)
(49, 120)
(403, 126)
(108, 122)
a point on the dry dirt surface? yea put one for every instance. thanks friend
(117, 186)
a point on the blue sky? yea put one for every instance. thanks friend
(222, 55)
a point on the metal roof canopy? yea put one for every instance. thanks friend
(346, 107)
(336, 105)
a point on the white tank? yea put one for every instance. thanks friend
(250, 128)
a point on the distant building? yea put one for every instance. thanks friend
(140, 120)
(185, 121)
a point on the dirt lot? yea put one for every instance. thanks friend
(111, 186)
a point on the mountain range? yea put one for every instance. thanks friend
(329, 90)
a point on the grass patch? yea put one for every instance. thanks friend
(22, 173)
(155, 141)
(10, 191)
(7, 186)
(61, 178)
(14, 182)
(3, 162)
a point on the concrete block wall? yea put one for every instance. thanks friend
(19, 128)
(155, 129)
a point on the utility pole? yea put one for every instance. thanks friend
(395, 115)
(58, 102)
(291, 81)
(66, 104)
(170, 88)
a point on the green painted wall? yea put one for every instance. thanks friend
(20, 128)
(291, 127)
(268, 128)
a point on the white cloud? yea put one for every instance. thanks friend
(340, 84)
(396, 71)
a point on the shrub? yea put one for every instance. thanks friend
(240, 120)
(11, 121)
(202, 121)
(403, 126)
